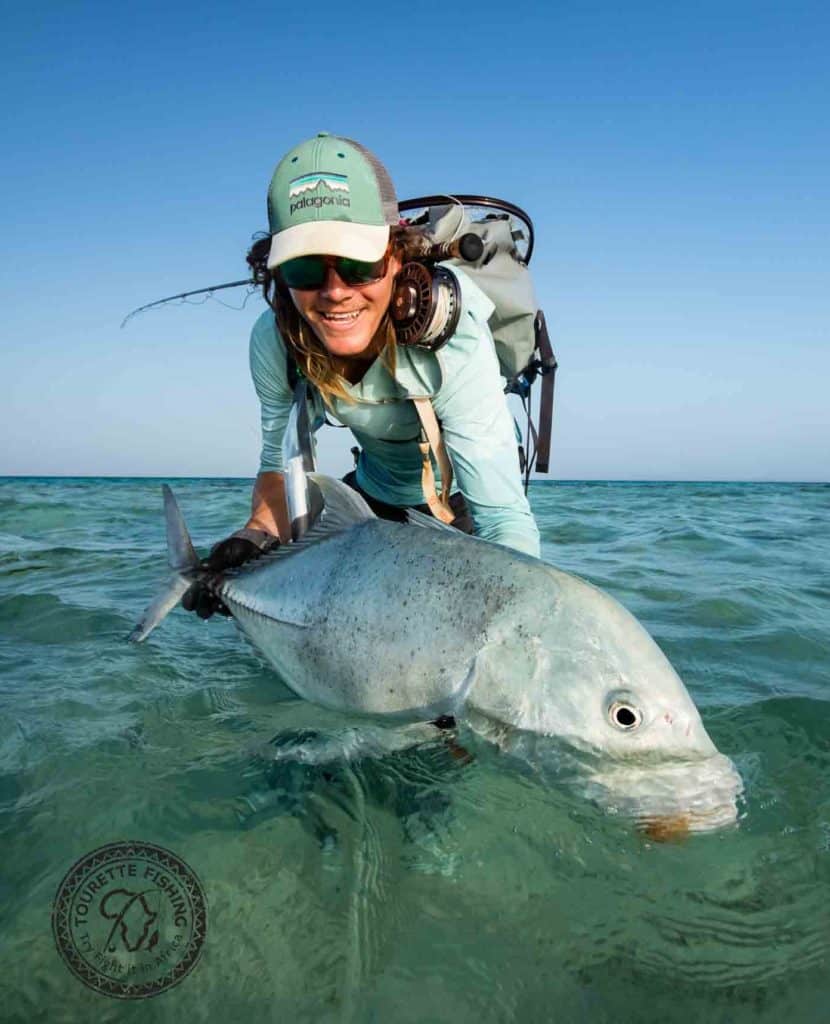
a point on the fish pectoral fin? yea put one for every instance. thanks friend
(479, 670)
(503, 671)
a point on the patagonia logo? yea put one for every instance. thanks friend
(310, 182)
(318, 201)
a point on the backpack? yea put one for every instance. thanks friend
(518, 326)
(500, 269)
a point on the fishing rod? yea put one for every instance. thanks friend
(468, 247)
(186, 295)
(435, 252)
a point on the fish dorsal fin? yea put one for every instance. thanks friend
(416, 518)
(340, 508)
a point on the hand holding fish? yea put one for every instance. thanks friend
(241, 547)
(528, 656)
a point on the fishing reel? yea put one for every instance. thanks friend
(426, 298)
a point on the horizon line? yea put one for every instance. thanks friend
(534, 480)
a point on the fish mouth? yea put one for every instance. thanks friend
(671, 801)
(675, 828)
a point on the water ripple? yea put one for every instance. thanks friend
(365, 879)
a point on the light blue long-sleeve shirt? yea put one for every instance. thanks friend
(466, 388)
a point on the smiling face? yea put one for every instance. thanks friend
(346, 317)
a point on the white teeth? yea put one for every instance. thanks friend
(341, 316)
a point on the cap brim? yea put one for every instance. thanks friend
(330, 238)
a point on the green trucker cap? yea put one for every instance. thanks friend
(331, 196)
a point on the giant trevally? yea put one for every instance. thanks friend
(408, 622)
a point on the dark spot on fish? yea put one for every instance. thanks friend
(444, 722)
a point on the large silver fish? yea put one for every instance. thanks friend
(409, 622)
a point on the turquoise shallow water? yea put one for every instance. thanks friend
(417, 887)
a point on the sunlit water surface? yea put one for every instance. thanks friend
(418, 886)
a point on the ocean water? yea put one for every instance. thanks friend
(418, 886)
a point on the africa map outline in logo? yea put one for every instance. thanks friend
(130, 919)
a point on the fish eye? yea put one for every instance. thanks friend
(624, 715)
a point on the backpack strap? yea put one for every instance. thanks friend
(548, 370)
(292, 371)
(431, 439)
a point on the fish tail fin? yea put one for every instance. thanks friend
(164, 602)
(180, 551)
(182, 558)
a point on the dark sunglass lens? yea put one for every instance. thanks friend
(304, 272)
(358, 271)
(307, 272)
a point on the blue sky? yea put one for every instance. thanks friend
(674, 159)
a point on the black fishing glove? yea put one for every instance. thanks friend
(242, 546)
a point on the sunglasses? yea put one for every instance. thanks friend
(306, 273)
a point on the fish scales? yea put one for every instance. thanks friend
(411, 621)
(376, 645)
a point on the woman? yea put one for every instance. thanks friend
(329, 269)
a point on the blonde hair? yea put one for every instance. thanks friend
(312, 357)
